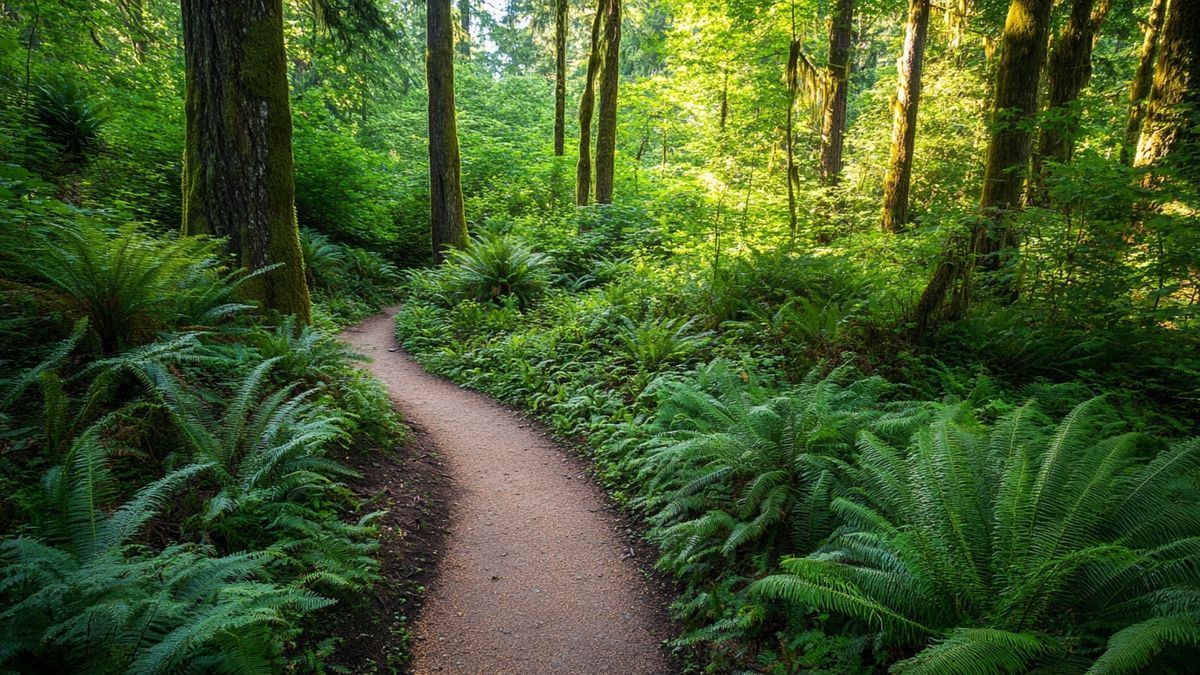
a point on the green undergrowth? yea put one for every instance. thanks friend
(173, 499)
(818, 513)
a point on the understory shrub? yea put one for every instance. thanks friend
(1029, 546)
(168, 471)
(799, 537)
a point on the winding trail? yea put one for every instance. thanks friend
(535, 578)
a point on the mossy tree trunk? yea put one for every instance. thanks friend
(237, 165)
(561, 9)
(1026, 30)
(1013, 112)
(1172, 127)
(1068, 72)
(606, 126)
(587, 103)
(833, 127)
(448, 223)
(904, 118)
(1139, 88)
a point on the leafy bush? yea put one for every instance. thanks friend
(84, 595)
(654, 344)
(496, 266)
(348, 283)
(1029, 547)
(68, 116)
(130, 285)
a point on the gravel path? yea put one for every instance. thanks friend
(534, 578)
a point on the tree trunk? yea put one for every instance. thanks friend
(1069, 70)
(561, 8)
(606, 127)
(904, 118)
(134, 15)
(237, 165)
(587, 101)
(1013, 113)
(789, 131)
(724, 101)
(464, 17)
(1014, 107)
(1173, 111)
(1139, 89)
(833, 128)
(447, 219)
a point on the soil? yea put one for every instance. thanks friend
(414, 487)
(539, 573)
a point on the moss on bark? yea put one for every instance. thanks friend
(238, 166)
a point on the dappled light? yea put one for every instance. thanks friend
(600, 336)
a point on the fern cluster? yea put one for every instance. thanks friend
(1026, 546)
(189, 515)
(1022, 545)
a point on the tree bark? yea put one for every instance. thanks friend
(464, 17)
(1173, 111)
(587, 102)
(789, 131)
(904, 118)
(237, 165)
(561, 8)
(606, 126)
(447, 219)
(1139, 88)
(1070, 69)
(1026, 30)
(833, 127)
(1013, 112)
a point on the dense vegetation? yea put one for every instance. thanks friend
(898, 365)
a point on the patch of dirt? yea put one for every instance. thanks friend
(539, 573)
(413, 486)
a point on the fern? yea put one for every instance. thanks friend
(1027, 547)
(84, 596)
(128, 284)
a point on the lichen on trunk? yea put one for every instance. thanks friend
(561, 9)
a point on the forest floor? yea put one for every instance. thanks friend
(539, 572)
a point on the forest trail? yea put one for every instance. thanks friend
(534, 578)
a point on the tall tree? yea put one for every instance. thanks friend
(464, 18)
(447, 219)
(1172, 126)
(1139, 88)
(792, 77)
(833, 127)
(904, 117)
(1026, 30)
(561, 12)
(237, 164)
(606, 126)
(587, 103)
(1068, 72)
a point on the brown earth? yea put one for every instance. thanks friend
(536, 576)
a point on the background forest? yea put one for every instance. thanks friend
(886, 322)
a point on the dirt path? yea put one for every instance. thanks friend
(534, 578)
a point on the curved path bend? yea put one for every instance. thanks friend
(535, 578)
